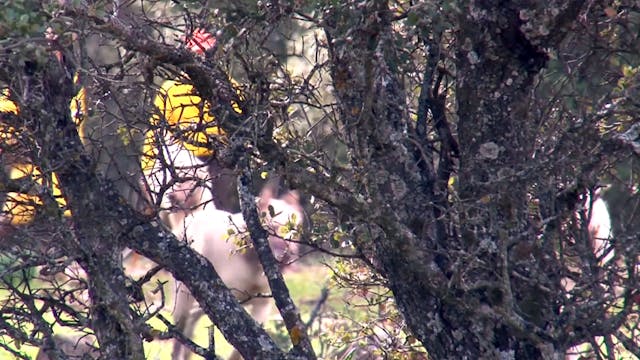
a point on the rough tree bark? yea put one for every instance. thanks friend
(49, 86)
(500, 53)
(442, 203)
(458, 307)
(103, 224)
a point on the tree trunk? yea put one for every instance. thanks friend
(456, 306)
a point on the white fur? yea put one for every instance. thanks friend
(175, 169)
(600, 235)
(208, 231)
(600, 232)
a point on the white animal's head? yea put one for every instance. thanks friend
(189, 192)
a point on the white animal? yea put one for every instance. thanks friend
(600, 232)
(174, 169)
(600, 235)
(175, 175)
(208, 231)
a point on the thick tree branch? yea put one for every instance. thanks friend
(216, 300)
(259, 237)
(99, 214)
(210, 80)
(50, 88)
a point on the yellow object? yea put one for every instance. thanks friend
(21, 207)
(78, 107)
(186, 117)
(7, 133)
(6, 105)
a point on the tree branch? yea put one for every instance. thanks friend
(259, 237)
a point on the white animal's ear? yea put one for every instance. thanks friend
(266, 194)
(269, 191)
(600, 188)
(292, 198)
(202, 172)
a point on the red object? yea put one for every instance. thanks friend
(200, 41)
